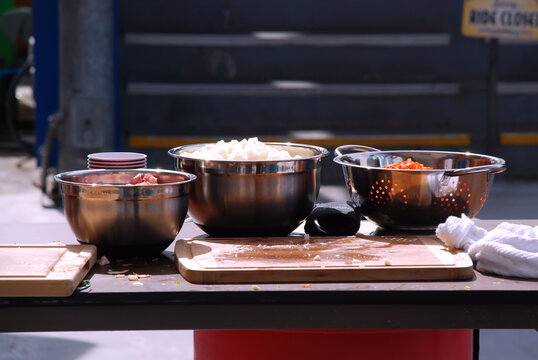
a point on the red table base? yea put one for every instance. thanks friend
(438, 344)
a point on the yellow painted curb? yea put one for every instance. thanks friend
(518, 138)
(137, 141)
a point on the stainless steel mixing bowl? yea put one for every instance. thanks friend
(252, 198)
(121, 219)
(416, 199)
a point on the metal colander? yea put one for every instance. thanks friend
(416, 199)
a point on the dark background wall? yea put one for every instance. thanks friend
(388, 74)
(191, 70)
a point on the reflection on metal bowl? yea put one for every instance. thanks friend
(121, 219)
(416, 199)
(253, 198)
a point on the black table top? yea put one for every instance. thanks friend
(167, 301)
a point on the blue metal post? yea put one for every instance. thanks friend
(46, 91)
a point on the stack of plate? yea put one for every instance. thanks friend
(117, 160)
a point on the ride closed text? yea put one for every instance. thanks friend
(503, 18)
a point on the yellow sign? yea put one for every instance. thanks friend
(514, 19)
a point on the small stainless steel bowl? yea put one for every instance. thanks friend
(252, 198)
(121, 219)
(416, 199)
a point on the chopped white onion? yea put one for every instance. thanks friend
(251, 149)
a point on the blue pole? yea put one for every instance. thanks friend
(46, 59)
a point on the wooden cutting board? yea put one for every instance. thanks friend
(294, 259)
(44, 270)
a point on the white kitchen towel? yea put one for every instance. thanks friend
(509, 249)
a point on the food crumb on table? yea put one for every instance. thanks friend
(132, 277)
(256, 287)
(103, 261)
(317, 258)
(116, 272)
(387, 262)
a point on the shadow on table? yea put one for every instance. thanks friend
(161, 264)
(32, 347)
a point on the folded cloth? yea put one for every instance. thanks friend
(333, 218)
(509, 249)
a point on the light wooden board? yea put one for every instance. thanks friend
(294, 259)
(43, 270)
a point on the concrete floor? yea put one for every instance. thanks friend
(21, 201)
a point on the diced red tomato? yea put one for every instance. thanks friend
(407, 164)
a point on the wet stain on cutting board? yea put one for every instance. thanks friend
(326, 256)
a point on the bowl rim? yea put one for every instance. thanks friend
(60, 177)
(495, 162)
(174, 152)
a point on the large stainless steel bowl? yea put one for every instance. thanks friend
(121, 219)
(416, 199)
(252, 198)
